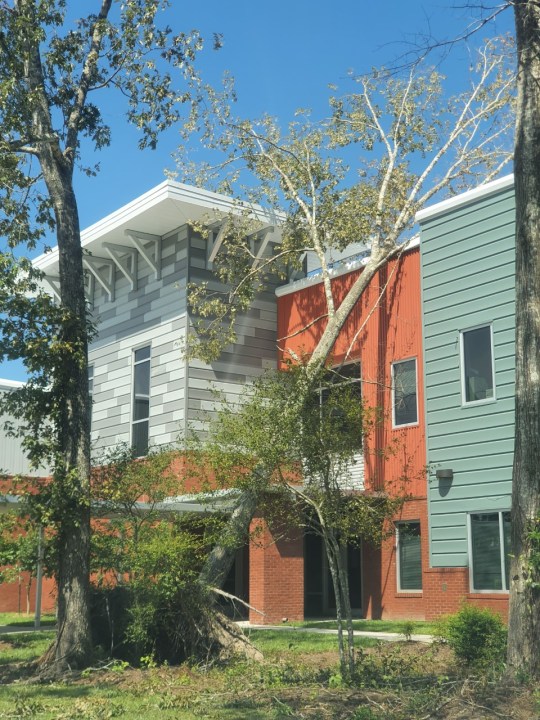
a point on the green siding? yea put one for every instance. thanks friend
(467, 280)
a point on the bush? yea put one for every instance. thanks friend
(476, 635)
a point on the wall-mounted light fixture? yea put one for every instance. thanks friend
(444, 474)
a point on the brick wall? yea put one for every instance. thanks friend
(276, 574)
(13, 596)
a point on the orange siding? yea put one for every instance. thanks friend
(384, 327)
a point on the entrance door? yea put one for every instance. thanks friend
(319, 598)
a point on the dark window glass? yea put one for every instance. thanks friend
(410, 558)
(141, 400)
(341, 383)
(477, 364)
(490, 566)
(404, 386)
(140, 438)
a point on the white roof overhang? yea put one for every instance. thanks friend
(157, 213)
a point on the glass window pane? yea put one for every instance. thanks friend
(410, 557)
(486, 552)
(506, 537)
(477, 364)
(404, 385)
(140, 438)
(141, 408)
(142, 354)
(141, 379)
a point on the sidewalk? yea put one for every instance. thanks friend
(385, 636)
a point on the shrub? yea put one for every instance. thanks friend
(476, 635)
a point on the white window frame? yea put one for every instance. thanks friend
(91, 380)
(483, 401)
(472, 589)
(393, 393)
(399, 524)
(132, 408)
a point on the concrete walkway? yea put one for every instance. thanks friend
(386, 636)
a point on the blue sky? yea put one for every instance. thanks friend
(283, 55)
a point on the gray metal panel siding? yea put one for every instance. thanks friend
(468, 280)
(182, 393)
(152, 302)
(113, 366)
(254, 351)
(152, 314)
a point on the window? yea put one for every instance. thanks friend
(489, 536)
(141, 401)
(404, 396)
(477, 364)
(345, 378)
(90, 392)
(409, 557)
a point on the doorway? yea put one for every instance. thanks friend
(319, 597)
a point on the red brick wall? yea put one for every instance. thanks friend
(276, 575)
(13, 596)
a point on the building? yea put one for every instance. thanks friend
(421, 344)
(468, 286)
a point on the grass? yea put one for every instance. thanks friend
(421, 627)
(276, 641)
(23, 647)
(23, 620)
(298, 679)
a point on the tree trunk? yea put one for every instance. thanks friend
(332, 550)
(71, 476)
(524, 618)
(236, 532)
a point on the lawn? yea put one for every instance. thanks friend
(23, 620)
(298, 679)
(420, 627)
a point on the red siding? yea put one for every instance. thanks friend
(384, 327)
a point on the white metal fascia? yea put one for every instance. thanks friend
(128, 269)
(95, 265)
(477, 193)
(139, 239)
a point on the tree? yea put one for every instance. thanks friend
(50, 72)
(19, 547)
(524, 624)
(414, 145)
(297, 459)
(146, 559)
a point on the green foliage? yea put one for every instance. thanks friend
(147, 599)
(407, 629)
(409, 142)
(476, 635)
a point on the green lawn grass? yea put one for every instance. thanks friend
(421, 627)
(23, 647)
(296, 680)
(277, 641)
(23, 620)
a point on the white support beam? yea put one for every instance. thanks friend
(89, 287)
(125, 259)
(263, 237)
(139, 240)
(96, 266)
(53, 281)
(214, 244)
